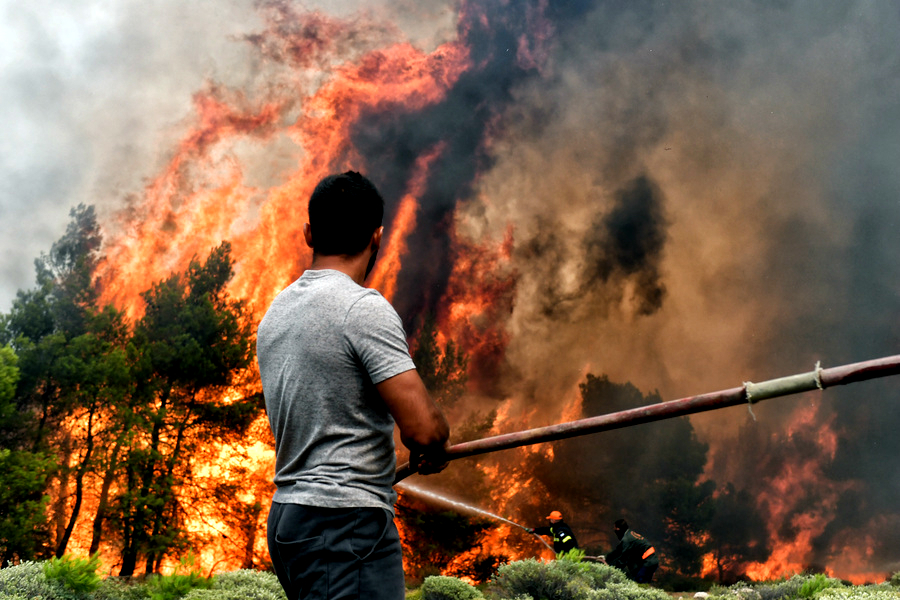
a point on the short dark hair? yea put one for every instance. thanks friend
(344, 211)
(621, 524)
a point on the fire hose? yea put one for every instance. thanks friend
(463, 507)
(749, 393)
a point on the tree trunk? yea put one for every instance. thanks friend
(250, 529)
(138, 531)
(159, 521)
(79, 485)
(102, 505)
(63, 478)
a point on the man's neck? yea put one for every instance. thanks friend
(352, 266)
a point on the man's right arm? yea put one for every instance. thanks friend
(612, 558)
(423, 427)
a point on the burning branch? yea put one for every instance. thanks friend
(749, 392)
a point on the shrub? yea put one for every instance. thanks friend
(245, 584)
(558, 579)
(437, 587)
(28, 580)
(115, 588)
(599, 575)
(796, 586)
(815, 584)
(895, 579)
(575, 555)
(628, 591)
(178, 584)
(777, 590)
(866, 592)
(175, 586)
(77, 574)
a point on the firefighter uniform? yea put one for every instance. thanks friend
(563, 538)
(634, 555)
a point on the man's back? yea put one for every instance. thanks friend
(323, 344)
(337, 375)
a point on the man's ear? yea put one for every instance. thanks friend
(376, 238)
(307, 234)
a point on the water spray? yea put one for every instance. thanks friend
(748, 393)
(463, 507)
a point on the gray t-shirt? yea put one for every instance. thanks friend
(322, 345)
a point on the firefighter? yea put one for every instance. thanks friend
(634, 555)
(563, 538)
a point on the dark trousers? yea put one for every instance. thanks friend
(336, 553)
(645, 574)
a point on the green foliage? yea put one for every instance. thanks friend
(531, 577)
(864, 592)
(628, 591)
(558, 579)
(27, 580)
(77, 574)
(119, 588)
(24, 579)
(175, 586)
(790, 588)
(448, 588)
(245, 584)
(895, 579)
(575, 555)
(178, 584)
(815, 584)
(23, 530)
(186, 353)
(9, 377)
(148, 394)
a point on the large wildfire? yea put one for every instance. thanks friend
(679, 198)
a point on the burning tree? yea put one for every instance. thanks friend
(73, 368)
(123, 409)
(185, 353)
(737, 534)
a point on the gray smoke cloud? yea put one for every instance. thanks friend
(768, 129)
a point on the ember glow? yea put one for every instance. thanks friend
(680, 197)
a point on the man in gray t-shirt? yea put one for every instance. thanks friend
(337, 375)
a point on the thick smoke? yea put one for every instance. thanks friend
(628, 241)
(392, 141)
(766, 131)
